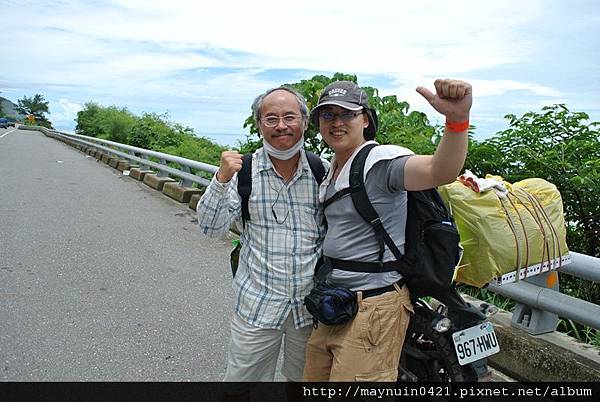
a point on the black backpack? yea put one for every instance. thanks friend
(432, 249)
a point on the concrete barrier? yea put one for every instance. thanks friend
(124, 164)
(179, 193)
(111, 161)
(157, 183)
(194, 199)
(548, 357)
(114, 163)
(138, 173)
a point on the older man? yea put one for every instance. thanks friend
(281, 240)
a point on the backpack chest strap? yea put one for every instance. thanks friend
(370, 267)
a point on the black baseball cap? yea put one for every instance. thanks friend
(350, 96)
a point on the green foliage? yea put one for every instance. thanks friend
(150, 131)
(196, 148)
(583, 333)
(89, 119)
(37, 107)
(109, 123)
(115, 124)
(396, 124)
(500, 301)
(556, 145)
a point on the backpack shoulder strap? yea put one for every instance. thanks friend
(363, 205)
(244, 185)
(316, 166)
(336, 197)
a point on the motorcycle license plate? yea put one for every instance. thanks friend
(475, 343)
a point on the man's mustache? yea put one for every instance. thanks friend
(281, 134)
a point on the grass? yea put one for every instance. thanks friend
(580, 332)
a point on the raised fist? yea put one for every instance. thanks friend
(231, 162)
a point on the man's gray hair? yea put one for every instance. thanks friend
(257, 104)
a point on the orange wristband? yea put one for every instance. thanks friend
(457, 126)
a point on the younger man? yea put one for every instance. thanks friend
(368, 347)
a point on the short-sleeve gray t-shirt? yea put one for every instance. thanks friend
(349, 237)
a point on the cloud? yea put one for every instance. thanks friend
(203, 61)
(63, 113)
(126, 43)
(501, 87)
(69, 108)
(391, 37)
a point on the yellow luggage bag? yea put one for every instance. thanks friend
(508, 236)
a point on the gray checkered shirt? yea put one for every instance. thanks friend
(277, 260)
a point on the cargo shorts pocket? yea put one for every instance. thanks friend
(379, 325)
(382, 324)
(407, 312)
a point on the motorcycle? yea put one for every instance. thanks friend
(448, 343)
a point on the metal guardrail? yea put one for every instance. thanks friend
(538, 306)
(131, 153)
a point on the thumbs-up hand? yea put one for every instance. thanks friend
(453, 98)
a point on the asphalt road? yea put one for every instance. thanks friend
(101, 277)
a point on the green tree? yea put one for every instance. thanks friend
(116, 123)
(37, 107)
(153, 131)
(197, 148)
(110, 123)
(88, 120)
(150, 131)
(398, 126)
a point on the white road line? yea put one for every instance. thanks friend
(8, 132)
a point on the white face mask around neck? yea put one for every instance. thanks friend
(283, 155)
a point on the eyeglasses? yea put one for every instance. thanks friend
(285, 206)
(346, 115)
(288, 120)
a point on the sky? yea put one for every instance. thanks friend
(204, 62)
